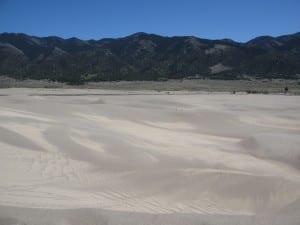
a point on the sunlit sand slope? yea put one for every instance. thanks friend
(164, 158)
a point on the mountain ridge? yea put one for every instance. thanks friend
(143, 56)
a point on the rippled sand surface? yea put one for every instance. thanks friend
(112, 157)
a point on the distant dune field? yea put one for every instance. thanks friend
(116, 157)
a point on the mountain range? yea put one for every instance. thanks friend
(143, 56)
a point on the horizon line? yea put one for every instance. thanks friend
(146, 33)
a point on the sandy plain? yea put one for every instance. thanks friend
(136, 157)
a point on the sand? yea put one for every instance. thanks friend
(116, 157)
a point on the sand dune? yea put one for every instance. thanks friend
(109, 157)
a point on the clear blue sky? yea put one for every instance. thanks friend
(240, 20)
